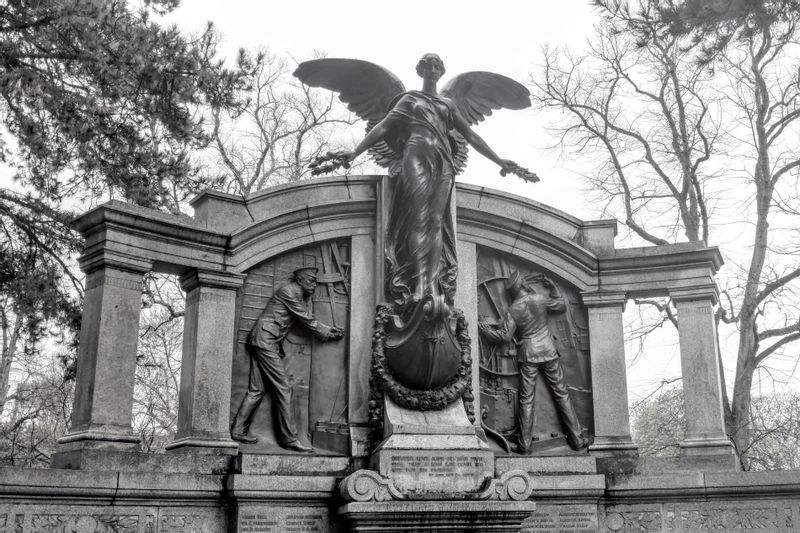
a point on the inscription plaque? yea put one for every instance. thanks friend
(562, 519)
(261, 519)
(450, 471)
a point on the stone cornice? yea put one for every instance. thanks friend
(663, 257)
(604, 299)
(193, 279)
(116, 214)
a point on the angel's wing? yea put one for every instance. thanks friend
(367, 89)
(476, 95)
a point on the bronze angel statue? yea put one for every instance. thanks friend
(421, 137)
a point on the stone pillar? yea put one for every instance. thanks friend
(362, 315)
(101, 416)
(609, 382)
(702, 389)
(467, 300)
(208, 344)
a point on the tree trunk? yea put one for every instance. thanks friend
(742, 392)
(7, 357)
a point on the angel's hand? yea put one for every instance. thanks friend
(331, 161)
(510, 167)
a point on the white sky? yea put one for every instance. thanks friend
(499, 36)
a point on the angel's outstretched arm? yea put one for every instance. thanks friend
(336, 160)
(373, 136)
(477, 142)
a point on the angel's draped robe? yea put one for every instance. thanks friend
(420, 248)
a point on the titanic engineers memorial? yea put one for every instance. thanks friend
(391, 352)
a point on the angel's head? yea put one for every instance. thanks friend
(431, 65)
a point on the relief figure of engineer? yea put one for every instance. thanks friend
(291, 304)
(526, 323)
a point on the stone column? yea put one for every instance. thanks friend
(363, 274)
(702, 389)
(467, 300)
(101, 416)
(208, 344)
(609, 382)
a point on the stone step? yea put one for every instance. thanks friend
(293, 464)
(549, 465)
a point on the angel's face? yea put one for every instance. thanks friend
(431, 71)
(430, 67)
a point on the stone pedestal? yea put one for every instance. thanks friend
(433, 473)
(435, 452)
(103, 402)
(203, 414)
(702, 389)
(609, 382)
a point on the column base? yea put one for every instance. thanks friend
(707, 446)
(617, 446)
(221, 445)
(99, 438)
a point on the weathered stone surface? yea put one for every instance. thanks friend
(293, 465)
(436, 471)
(363, 280)
(777, 516)
(609, 380)
(585, 464)
(445, 516)
(687, 463)
(118, 518)
(208, 341)
(449, 421)
(272, 518)
(187, 462)
(581, 518)
(107, 353)
(432, 451)
(702, 389)
(466, 299)
(265, 487)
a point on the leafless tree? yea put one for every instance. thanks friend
(158, 363)
(283, 127)
(685, 145)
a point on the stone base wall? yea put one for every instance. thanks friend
(570, 502)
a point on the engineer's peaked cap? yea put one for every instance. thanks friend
(312, 270)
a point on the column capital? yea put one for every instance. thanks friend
(604, 299)
(219, 280)
(106, 258)
(700, 292)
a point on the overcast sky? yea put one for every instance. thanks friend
(499, 36)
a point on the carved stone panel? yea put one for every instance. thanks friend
(49, 517)
(317, 371)
(763, 515)
(499, 366)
